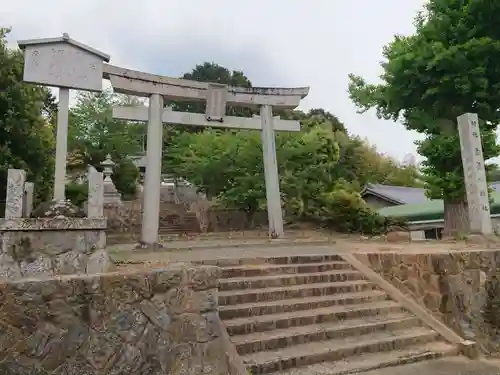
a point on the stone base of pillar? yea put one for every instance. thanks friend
(149, 246)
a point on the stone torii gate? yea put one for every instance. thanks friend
(217, 96)
(68, 64)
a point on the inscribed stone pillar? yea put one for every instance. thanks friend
(15, 193)
(96, 194)
(29, 190)
(474, 174)
(275, 216)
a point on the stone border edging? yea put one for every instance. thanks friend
(237, 366)
(467, 347)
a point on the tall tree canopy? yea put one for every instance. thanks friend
(26, 123)
(449, 66)
(212, 72)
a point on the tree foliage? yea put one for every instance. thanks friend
(449, 66)
(26, 124)
(361, 163)
(228, 166)
(93, 134)
(212, 72)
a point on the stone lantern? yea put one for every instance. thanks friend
(111, 195)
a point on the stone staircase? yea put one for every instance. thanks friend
(317, 315)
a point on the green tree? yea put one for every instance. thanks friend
(315, 185)
(26, 117)
(211, 72)
(361, 164)
(93, 133)
(493, 173)
(229, 166)
(450, 66)
(314, 116)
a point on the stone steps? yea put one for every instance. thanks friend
(300, 314)
(262, 323)
(277, 269)
(282, 338)
(257, 282)
(374, 361)
(333, 350)
(297, 304)
(233, 297)
(295, 260)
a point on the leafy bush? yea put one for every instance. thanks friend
(345, 211)
(125, 175)
(77, 193)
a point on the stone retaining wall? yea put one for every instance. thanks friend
(125, 220)
(452, 285)
(152, 322)
(52, 246)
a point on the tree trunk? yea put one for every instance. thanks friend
(456, 219)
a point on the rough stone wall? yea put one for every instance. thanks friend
(220, 220)
(55, 246)
(127, 218)
(153, 322)
(124, 221)
(452, 285)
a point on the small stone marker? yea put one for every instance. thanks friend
(15, 193)
(96, 194)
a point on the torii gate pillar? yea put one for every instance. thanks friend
(152, 181)
(273, 196)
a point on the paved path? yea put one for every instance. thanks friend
(444, 366)
(223, 252)
(185, 251)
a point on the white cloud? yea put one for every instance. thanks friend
(313, 43)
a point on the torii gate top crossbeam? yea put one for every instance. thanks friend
(137, 83)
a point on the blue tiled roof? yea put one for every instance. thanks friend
(407, 195)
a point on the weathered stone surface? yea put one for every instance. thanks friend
(57, 209)
(96, 193)
(111, 324)
(52, 246)
(15, 192)
(398, 236)
(58, 223)
(124, 221)
(459, 287)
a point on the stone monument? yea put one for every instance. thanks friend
(66, 64)
(111, 195)
(475, 175)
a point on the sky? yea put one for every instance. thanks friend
(284, 43)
